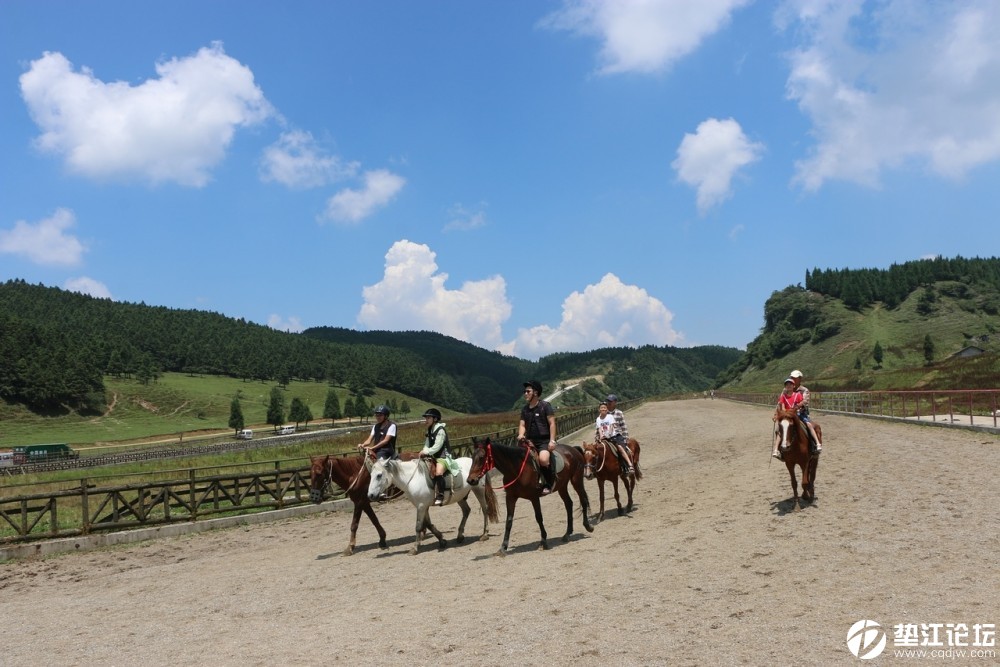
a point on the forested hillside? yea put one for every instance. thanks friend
(848, 327)
(56, 347)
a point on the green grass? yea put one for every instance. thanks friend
(178, 406)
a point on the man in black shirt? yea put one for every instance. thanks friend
(538, 425)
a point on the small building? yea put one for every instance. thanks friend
(968, 351)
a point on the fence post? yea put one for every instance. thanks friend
(85, 506)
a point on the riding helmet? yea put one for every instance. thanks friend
(534, 384)
(382, 410)
(433, 412)
(612, 397)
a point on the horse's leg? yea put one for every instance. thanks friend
(629, 486)
(581, 493)
(480, 492)
(511, 501)
(568, 502)
(618, 500)
(795, 482)
(464, 504)
(541, 525)
(600, 485)
(424, 521)
(370, 513)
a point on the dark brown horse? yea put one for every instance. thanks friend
(520, 480)
(601, 464)
(796, 451)
(351, 475)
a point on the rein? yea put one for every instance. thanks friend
(604, 459)
(490, 464)
(357, 477)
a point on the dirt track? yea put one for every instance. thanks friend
(713, 566)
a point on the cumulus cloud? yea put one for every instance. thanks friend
(708, 159)
(174, 128)
(465, 219)
(895, 84)
(85, 285)
(352, 206)
(412, 295)
(46, 242)
(608, 314)
(291, 324)
(296, 161)
(643, 35)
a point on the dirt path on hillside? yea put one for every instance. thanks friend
(713, 567)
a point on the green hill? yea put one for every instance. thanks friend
(920, 337)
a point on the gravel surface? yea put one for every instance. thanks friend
(714, 566)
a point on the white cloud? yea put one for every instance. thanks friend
(736, 231)
(172, 128)
(708, 159)
(352, 206)
(643, 35)
(412, 296)
(608, 314)
(463, 219)
(297, 162)
(85, 285)
(292, 324)
(45, 242)
(896, 83)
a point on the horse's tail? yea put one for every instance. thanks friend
(635, 459)
(492, 508)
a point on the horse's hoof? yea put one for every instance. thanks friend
(544, 546)
(460, 539)
(413, 551)
(484, 537)
(349, 551)
(382, 544)
(501, 553)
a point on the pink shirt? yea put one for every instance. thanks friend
(789, 401)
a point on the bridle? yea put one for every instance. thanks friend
(489, 463)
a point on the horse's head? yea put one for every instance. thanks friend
(381, 474)
(787, 424)
(591, 454)
(319, 477)
(481, 453)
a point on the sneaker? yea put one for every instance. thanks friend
(546, 491)
(438, 501)
(819, 447)
(776, 455)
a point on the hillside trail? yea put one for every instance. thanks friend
(714, 565)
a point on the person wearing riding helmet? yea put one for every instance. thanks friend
(796, 377)
(538, 426)
(436, 449)
(621, 438)
(382, 440)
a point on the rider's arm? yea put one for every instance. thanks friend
(552, 429)
(369, 439)
(434, 444)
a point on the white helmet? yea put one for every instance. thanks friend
(795, 374)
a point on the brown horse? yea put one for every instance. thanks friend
(601, 464)
(796, 451)
(351, 475)
(520, 480)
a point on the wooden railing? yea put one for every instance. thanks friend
(977, 408)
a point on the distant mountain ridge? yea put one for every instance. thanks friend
(56, 346)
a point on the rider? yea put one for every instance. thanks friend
(607, 428)
(382, 440)
(796, 377)
(789, 400)
(619, 416)
(538, 425)
(436, 448)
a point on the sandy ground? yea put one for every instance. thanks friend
(714, 565)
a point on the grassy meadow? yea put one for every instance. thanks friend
(178, 407)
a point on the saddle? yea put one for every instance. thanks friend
(449, 478)
(556, 462)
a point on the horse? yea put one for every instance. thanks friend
(521, 481)
(351, 475)
(410, 477)
(601, 463)
(796, 451)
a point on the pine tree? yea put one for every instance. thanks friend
(877, 355)
(276, 408)
(928, 350)
(331, 410)
(236, 416)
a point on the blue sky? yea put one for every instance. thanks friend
(528, 176)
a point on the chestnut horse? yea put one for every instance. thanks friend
(601, 464)
(796, 451)
(520, 480)
(351, 475)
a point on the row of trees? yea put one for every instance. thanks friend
(299, 412)
(859, 288)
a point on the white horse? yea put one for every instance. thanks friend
(410, 477)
